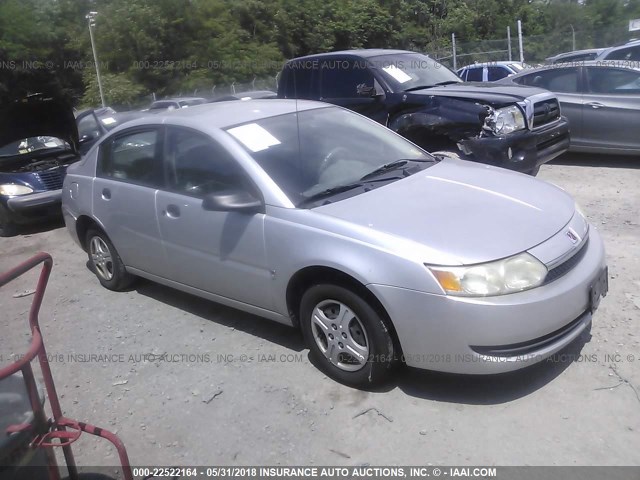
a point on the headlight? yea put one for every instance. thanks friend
(11, 190)
(505, 120)
(513, 274)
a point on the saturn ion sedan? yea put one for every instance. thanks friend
(319, 218)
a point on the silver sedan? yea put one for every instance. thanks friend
(600, 98)
(318, 218)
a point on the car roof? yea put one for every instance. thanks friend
(576, 52)
(178, 99)
(581, 63)
(489, 64)
(622, 46)
(592, 63)
(227, 114)
(363, 53)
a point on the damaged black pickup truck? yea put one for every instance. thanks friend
(38, 140)
(519, 128)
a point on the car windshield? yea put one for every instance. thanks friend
(112, 121)
(411, 71)
(328, 150)
(32, 144)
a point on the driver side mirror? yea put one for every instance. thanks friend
(87, 137)
(368, 91)
(232, 200)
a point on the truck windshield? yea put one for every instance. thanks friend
(328, 150)
(410, 71)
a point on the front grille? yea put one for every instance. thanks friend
(565, 267)
(51, 179)
(545, 112)
(525, 348)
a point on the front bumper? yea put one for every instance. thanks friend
(33, 207)
(523, 151)
(446, 333)
(32, 201)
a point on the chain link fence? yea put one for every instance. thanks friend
(536, 48)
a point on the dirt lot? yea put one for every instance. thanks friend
(238, 390)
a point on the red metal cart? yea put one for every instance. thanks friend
(41, 433)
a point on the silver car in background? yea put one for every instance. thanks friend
(316, 217)
(601, 100)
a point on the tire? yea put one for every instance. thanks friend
(7, 227)
(105, 261)
(357, 352)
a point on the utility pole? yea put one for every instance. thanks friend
(91, 18)
(573, 37)
(453, 43)
(520, 40)
(509, 41)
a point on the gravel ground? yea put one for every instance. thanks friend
(235, 389)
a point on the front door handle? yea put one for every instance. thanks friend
(595, 105)
(106, 194)
(172, 211)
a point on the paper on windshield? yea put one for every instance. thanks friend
(396, 73)
(108, 120)
(254, 137)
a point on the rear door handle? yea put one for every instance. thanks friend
(106, 194)
(172, 211)
(595, 105)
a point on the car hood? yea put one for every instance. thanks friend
(38, 115)
(473, 212)
(496, 94)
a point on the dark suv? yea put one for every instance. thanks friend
(519, 128)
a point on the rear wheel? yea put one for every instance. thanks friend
(106, 263)
(346, 336)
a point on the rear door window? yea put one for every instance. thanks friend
(302, 79)
(341, 78)
(496, 73)
(613, 81)
(556, 80)
(474, 74)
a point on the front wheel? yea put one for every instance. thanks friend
(106, 263)
(7, 227)
(347, 337)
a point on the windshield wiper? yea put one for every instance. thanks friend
(330, 191)
(392, 166)
(439, 84)
(448, 82)
(419, 87)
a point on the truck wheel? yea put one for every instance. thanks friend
(346, 336)
(106, 263)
